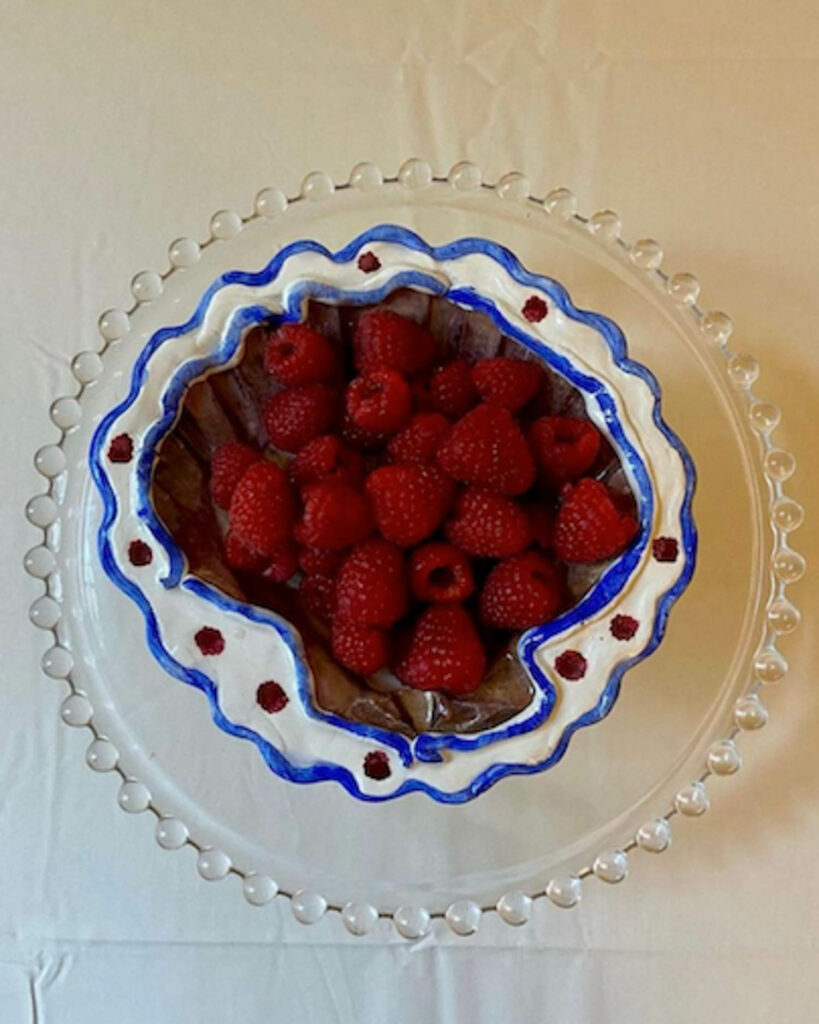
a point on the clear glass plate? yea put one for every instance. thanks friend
(616, 777)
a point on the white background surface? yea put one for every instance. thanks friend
(125, 125)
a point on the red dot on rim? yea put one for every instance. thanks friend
(139, 553)
(534, 309)
(368, 262)
(623, 627)
(271, 697)
(209, 640)
(377, 765)
(665, 549)
(571, 665)
(121, 449)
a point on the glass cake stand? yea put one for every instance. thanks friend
(621, 784)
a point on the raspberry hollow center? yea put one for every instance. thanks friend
(442, 577)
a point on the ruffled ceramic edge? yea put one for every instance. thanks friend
(425, 748)
(781, 617)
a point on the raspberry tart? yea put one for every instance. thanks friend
(402, 513)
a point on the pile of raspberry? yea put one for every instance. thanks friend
(424, 509)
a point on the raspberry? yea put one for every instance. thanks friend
(534, 309)
(409, 501)
(318, 596)
(239, 556)
(520, 592)
(209, 641)
(284, 563)
(487, 447)
(271, 697)
(665, 549)
(383, 338)
(420, 439)
(378, 402)
(335, 516)
(444, 652)
(368, 262)
(320, 561)
(571, 665)
(450, 390)
(296, 354)
(589, 526)
(564, 447)
(623, 627)
(371, 586)
(541, 523)
(440, 572)
(227, 467)
(296, 415)
(508, 382)
(139, 553)
(377, 765)
(121, 449)
(488, 525)
(356, 437)
(361, 649)
(263, 508)
(326, 458)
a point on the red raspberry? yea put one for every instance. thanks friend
(450, 390)
(378, 402)
(227, 467)
(541, 523)
(320, 561)
(296, 415)
(239, 556)
(335, 516)
(564, 447)
(571, 665)
(296, 354)
(139, 553)
(420, 439)
(371, 586)
(326, 458)
(383, 338)
(377, 765)
(487, 447)
(589, 526)
(121, 448)
(508, 382)
(409, 501)
(623, 627)
(283, 564)
(209, 641)
(444, 652)
(263, 508)
(440, 572)
(270, 697)
(520, 592)
(488, 525)
(361, 649)
(318, 596)
(365, 440)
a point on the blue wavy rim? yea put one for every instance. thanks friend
(426, 746)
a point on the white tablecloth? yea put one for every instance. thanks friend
(124, 125)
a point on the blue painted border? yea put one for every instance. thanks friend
(425, 747)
